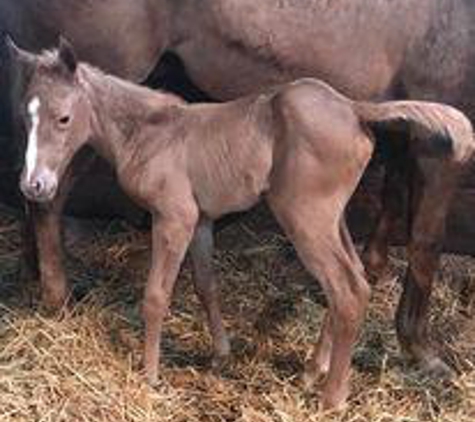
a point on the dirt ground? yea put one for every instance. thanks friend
(83, 364)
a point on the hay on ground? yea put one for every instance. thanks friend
(83, 365)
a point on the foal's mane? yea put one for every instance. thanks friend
(49, 59)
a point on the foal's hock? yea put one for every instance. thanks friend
(301, 146)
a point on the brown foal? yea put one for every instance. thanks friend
(302, 146)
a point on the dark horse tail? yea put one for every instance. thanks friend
(433, 130)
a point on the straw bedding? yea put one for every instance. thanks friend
(83, 365)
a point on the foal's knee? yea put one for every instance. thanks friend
(177, 229)
(362, 291)
(351, 306)
(154, 304)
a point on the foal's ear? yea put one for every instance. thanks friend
(15, 54)
(66, 55)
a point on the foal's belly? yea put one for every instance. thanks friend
(235, 185)
(241, 195)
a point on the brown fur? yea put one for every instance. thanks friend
(302, 146)
(419, 49)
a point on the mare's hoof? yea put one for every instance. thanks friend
(53, 306)
(436, 368)
(378, 275)
(376, 267)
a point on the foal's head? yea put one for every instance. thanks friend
(56, 114)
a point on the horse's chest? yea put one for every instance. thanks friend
(131, 180)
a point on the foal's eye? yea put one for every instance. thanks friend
(64, 120)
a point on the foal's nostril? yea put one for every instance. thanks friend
(37, 186)
(41, 187)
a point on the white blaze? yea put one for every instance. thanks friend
(32, 148)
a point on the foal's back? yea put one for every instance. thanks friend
(237, 146)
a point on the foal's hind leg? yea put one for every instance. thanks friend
(319, 362)
(320, 247)
(434, 183)
(207, 288)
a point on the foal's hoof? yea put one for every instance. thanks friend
(335, 402)
(152, 383)
(222, 351)
(309, 380)
(436, 368)
(313, 376)
(219, 363)
(151, 380)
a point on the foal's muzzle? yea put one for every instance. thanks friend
(40, 187)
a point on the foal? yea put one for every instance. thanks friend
(302, 146)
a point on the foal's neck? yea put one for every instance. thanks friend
(120, 112)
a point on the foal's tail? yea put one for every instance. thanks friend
(437, 130)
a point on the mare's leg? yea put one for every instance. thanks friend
(321, 248)
(433, 186)
(207, 288)
(171, 234)
(11, 153)
(31, 269)
(46, 220)
(375, 254)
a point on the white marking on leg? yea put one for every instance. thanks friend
(32, 148)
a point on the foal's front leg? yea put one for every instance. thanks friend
(171, 235)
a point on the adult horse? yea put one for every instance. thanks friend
(366, 49)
